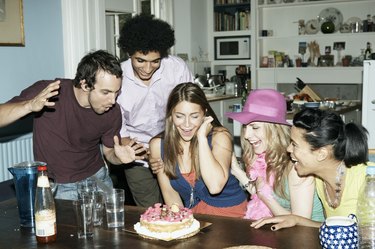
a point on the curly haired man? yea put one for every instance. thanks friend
(150, 74)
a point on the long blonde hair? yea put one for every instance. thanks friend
(277, 158)
(191, 93)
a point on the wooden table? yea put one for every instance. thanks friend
(224, 232)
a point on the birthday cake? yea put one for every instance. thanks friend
(167, 222)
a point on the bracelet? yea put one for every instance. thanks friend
(246, 185)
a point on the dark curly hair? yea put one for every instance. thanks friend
(145, 33)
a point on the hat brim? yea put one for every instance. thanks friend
(248, 117)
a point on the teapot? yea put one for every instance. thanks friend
(339, 232)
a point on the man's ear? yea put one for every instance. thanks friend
(84, 86)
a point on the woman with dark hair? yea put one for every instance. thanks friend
(336, 154)
(192, 157)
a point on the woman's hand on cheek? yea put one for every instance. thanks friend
(205, 127)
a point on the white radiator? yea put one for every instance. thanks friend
(13, 150)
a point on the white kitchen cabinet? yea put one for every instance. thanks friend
(221, 106)
(368, 100)
(282, 20)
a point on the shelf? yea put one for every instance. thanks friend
(311, 75)
(318, 36)
(231, 62)
(309, 3)
(282, 19)
(232, 33)
(236, 6)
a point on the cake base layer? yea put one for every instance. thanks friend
(179, 234)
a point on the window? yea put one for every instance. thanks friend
(114, 23)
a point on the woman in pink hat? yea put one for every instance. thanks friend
(269, 176)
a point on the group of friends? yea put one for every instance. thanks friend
(145, 113)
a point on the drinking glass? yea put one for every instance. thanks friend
(83, 210)
(98, 210)
(114, 204)
(86, 185)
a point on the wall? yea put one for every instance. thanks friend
(191, 33)
(199, 33)
(182, 27)
(122, 6)
(41, 58)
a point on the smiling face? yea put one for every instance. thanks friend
(305, 159)
(187, 118)
(106, 89)
(144, 66)
(255, 133)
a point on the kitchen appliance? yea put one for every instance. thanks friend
(232, 48)
(231, 88)
(368, 100)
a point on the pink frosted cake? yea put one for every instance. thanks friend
(164, 222)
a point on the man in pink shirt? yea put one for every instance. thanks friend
(149, 76)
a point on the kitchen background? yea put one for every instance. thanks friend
(47, 25)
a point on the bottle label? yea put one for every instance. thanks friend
(43, 182)
(45, 223)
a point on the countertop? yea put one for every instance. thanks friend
(220, 97)
(338, 110)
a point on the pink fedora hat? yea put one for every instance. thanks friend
(262, 105)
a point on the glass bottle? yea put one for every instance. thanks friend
(45, 213)
(366, 211)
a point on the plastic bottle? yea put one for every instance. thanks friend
(366, 211)
(45, 213)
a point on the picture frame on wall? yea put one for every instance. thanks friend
(11, 23)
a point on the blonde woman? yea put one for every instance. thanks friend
(269, 175)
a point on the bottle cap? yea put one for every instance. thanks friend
(42, 167)
(370, 170)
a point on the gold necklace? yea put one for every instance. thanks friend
(339, 174)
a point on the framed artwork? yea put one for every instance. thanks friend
(11, 23)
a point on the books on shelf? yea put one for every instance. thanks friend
(240, 20)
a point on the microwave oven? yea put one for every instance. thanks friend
(232, 48)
